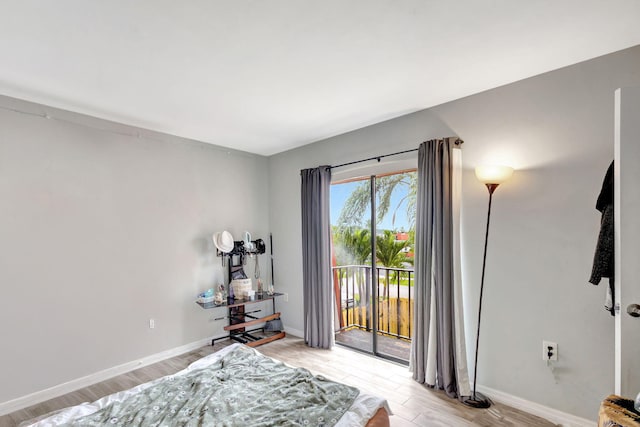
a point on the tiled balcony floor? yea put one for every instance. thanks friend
(362, 340)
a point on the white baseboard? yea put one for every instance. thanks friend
(68, 387)
(555, 416)
(294, 332)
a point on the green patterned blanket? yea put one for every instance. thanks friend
(244, 389)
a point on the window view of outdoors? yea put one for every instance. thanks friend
(353, 283)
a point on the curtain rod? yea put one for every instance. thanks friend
(456, 142)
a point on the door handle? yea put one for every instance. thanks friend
(633, 310)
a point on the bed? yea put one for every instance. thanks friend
(236, 386)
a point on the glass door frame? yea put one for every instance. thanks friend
(374, 291)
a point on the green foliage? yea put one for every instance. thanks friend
(352, 245)
(389, 251)
(356, 208)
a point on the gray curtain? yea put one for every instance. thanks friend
(434, 309)
(316, 257)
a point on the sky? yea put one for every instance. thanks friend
(340, 193)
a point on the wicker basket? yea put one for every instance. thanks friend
(240, 286)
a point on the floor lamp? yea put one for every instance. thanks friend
(491, 176)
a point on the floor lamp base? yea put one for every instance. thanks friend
(477, 400)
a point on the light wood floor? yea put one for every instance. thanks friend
(412, 404)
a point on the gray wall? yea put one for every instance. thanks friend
(103, 226)
(556, 129)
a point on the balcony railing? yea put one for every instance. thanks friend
(394, 304)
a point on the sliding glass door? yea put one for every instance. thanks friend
(372, 222)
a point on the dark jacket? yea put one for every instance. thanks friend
(603, 260)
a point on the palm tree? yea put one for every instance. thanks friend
(389, 252)
(354, 244)
(358, 204)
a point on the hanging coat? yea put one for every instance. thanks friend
(603, 260)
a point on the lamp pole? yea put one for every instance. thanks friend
(492, 177)
(477, 400)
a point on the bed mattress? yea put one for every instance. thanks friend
(236, 386)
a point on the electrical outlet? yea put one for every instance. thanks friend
(286, 297)
(152, 323)
(549, 350)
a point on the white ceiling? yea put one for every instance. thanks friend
(266, 76)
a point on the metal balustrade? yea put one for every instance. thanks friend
(395, 299)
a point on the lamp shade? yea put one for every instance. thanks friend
(493, 174)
